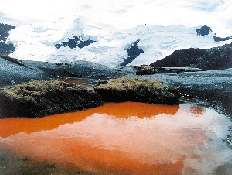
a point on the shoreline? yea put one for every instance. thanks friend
(197, 86)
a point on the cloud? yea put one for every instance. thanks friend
(119, 13)
(209, 6)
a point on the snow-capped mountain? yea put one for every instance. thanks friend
(104, 31)
(156, 42)
(111, 49)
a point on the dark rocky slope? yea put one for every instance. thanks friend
(206, 59)
(13, 71)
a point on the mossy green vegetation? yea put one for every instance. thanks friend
(134, 89)
(39, 98)
(134, 83)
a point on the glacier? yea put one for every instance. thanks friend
(162, 26)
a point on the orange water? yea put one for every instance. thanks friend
(124, 138)
(120, 110)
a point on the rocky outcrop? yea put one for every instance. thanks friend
(76, 41)
(5, 48)
(40, 98)
(206, 59)
(219, 39)
(204, 30)
(126, 89)
(132, 52)
(4, 31)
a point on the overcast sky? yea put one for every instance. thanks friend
(123, 13)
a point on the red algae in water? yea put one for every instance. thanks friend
(120, 110)
(123, 138)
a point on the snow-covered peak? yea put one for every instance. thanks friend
(110, 48)
(156, 42)
(162, 26)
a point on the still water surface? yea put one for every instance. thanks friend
(126, 138)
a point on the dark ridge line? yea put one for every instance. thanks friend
(216, 58)
(12, 60)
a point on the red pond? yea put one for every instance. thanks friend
(122, 138)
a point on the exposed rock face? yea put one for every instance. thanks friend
(5, 48)
(124, 89)
(207, 59)
(40, 98)
(204, 30)
(219, 39)
(4, 31)
(132, 52)
(75, 42)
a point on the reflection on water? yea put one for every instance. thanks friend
(125, 138)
